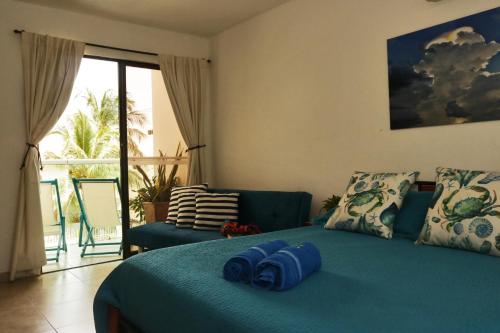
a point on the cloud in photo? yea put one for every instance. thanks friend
(461, 87)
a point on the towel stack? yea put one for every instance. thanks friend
(273, 265)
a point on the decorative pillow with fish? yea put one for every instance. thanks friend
(464, 212)
(371, 202)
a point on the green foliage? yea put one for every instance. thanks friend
(93, 133)
(156, 189)
(330, 203)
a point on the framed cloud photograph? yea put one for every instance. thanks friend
(446, 74)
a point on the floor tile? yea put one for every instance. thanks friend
(59, 294)
(69, 313)
(94, 273)
(26, 319)
(78, 328)
(59, 301)
(15, 301)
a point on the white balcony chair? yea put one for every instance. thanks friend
(98, 210)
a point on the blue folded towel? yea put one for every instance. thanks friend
(288, 267)
(241, 267)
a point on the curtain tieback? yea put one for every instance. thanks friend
(195, 147)
(29, 146)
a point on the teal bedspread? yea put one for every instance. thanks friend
(366, 284)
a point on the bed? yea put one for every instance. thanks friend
(366, 284)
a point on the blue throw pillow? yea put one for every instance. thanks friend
(323, 218)
(411, 217)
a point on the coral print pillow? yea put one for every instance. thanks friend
(464, 212)
(371, 202)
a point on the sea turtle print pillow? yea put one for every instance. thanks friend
(464, 212)
(371, 202)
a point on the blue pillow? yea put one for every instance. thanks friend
(323, 218)
(411, 217)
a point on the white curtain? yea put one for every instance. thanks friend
(186, 80)
(50, 66)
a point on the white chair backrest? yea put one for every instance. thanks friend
(49, 204)
(100, 204)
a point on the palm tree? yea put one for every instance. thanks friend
(94, 134)
(106, 112)
(136, 120)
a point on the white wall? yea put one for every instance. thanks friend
(166, 133)
(301, 98)
(15, 15)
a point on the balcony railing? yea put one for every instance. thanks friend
(154, 160)
(59, 169)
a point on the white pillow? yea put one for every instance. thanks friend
(371, 202)
(214, 209)
(464, 212)
(177, 192)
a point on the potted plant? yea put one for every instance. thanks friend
(329, 206)
(151, 202)
(330, 203)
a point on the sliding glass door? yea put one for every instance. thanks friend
(84, 144)
(154, 146)
(118, 125)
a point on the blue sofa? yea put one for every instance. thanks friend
(270, 210)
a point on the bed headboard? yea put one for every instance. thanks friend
(425, 186)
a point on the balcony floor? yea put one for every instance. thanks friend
(72, 258)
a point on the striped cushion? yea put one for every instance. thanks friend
(187, 210)
(173, 207)
(213, 209)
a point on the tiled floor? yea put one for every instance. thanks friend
(72, 258)
(54, 302)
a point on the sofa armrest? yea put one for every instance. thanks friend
(304, 209)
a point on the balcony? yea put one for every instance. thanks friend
(64, 170)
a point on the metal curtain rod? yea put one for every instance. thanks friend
(17, 31)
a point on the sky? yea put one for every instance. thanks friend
(408, 49)
(99, 76)
(446, 74)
